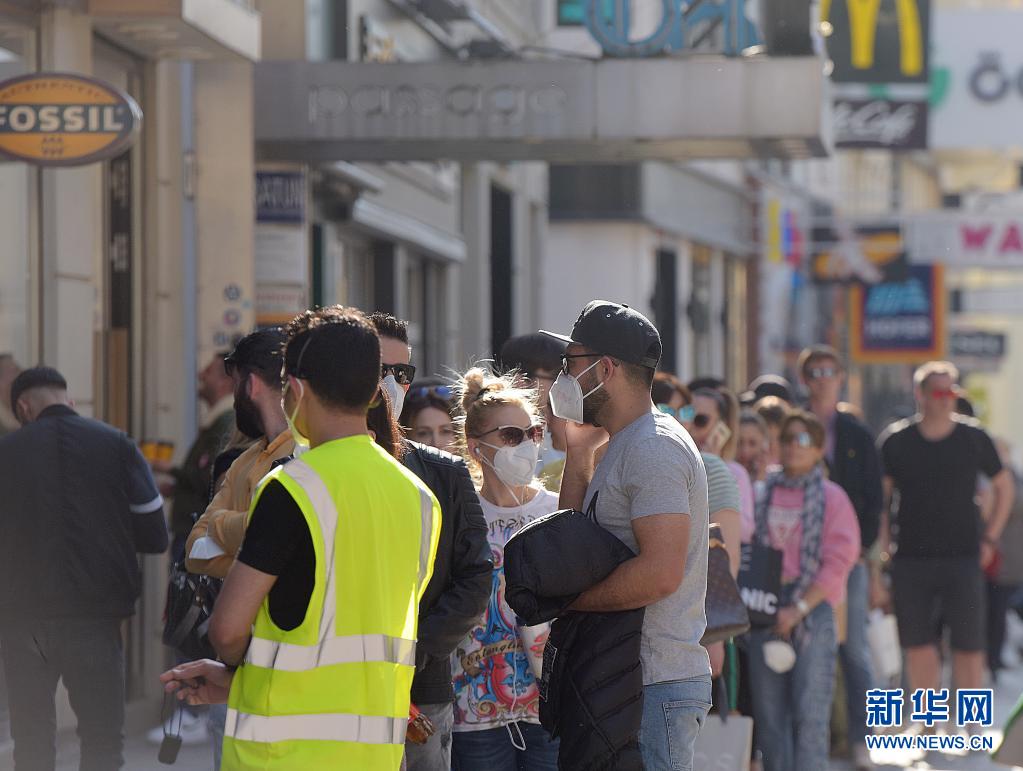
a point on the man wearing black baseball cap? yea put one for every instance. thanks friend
(649, 490)
(255, 368)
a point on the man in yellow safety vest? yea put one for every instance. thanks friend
(319, 611)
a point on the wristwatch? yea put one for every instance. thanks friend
(803, 608)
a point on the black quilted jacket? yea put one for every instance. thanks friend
(591, 692)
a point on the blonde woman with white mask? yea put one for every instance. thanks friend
(497, 704)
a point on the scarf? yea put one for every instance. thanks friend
(812, 520)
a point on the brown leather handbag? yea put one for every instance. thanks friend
(726, 614)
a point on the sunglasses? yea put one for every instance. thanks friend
(682, 414)
(444, 392)
(951, 393)
(701, 420)
(404, 374)
(566, 357)
(815, 373)
(802, 439)
(513, 436)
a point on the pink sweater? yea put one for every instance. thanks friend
(840, 538)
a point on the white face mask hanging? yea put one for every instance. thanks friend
(301, 441)
(397, 394)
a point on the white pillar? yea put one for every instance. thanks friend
(72, 214)
(224, 202)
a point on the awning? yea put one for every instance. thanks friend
(181, 29)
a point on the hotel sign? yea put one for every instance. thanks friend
(64, 119)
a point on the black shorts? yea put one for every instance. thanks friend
(932, 594)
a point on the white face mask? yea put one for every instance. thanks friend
(301, 441)
(396, 392)
(567, 395)
(515, 466)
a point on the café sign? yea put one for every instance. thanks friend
(65, 119)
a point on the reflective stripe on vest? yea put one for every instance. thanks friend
(289, 657)
(326, 512)
(365, 729)
(426, 512)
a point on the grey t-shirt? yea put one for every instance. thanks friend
(653, 467)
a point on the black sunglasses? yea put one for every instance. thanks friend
(404, 374)
(565, 357)
(513, 436)
(701, 420)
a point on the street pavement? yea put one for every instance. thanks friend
(141, 756)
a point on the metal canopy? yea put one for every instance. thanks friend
(567, 111)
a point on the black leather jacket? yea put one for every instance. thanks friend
(460, 587)
(591, 691)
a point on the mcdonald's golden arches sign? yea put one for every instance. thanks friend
(878, 41)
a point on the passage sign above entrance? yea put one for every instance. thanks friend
(712, 107)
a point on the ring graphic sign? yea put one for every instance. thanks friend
(63, 119)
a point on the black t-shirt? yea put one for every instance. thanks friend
(277, 542)
(936, 482)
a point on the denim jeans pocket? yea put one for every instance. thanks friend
(683, 720)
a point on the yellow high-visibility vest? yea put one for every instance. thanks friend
(333, 693)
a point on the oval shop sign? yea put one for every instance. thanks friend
(63, 119)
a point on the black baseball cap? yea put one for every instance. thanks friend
(768, 385)
(615, 330)
(261, 351)
(36, 377)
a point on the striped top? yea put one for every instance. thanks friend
(722, 489)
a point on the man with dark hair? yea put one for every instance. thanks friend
(319, 610)
(853, 463)
(255, 368)
(189, 489)
(538, 358)
(462, 575)
(79, 502)
(649, 490)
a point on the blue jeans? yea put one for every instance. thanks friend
(792, 711)
(492, 749)
(216, 717)
(857, 667)
(673, 714)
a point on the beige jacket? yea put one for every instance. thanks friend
(227, 515)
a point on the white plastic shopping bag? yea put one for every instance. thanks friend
(883, 639)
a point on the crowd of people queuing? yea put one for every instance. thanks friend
(358, 516)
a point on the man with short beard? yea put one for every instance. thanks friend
(649, 490)
(255, 369)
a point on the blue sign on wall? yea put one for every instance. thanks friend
(682, 25)
(280, 196)
(900, 321)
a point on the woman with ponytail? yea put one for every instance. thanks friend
(497, 704)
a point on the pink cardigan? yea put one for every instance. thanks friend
(840, 539)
